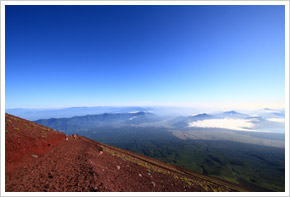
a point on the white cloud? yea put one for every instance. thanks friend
(133, 112)
(226, 123)
(254, 120)
(132, 117)
(282, 120)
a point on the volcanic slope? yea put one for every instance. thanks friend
(39, 159)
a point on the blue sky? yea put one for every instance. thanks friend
(227, 56)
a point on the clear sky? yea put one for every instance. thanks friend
(62, 56)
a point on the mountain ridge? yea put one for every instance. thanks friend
(89, 121)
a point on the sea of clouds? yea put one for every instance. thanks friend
(226, 123)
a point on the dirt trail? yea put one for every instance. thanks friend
(57, 170)
(77, 166)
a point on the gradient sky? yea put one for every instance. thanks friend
(62, 56)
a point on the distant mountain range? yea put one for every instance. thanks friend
(77, 123)
(80, 118)
(36, 114)
(265, 122)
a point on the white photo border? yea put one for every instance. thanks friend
(4, 3)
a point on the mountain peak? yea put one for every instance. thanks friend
(231, 112)
(202, 115)
(267, 109)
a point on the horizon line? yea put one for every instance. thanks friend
(156, 106)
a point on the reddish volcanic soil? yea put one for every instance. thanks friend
(23, 138)
(40, 159)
